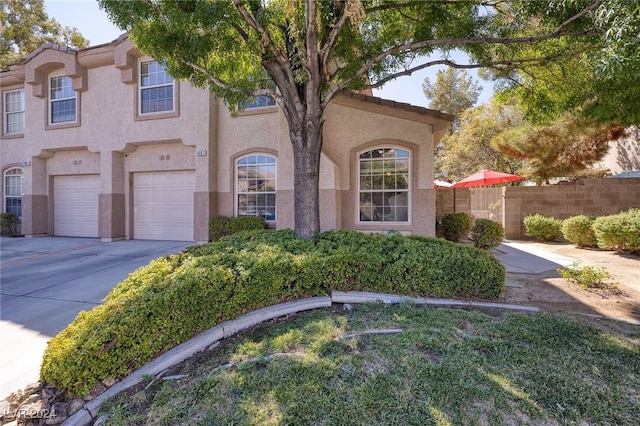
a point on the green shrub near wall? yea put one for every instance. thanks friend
(455, 226)
(579, 231)
(222, 226)
(543, 228)
(175, 297)
(620, 232)
(487, 233)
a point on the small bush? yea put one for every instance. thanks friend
(222, 226)
(578, 230)
(247, 223)
(455, 226)
(543, 228)
(9, 224)
(620, 232)
(175, 297)
(586, 276)
(487, 234)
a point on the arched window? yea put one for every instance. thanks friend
(383, 193)
(13, 191)
(256, 186)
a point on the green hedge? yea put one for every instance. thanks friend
(455, 226)
(578, 230)
(175, 297)
(620, 232)
(222, 226)
(543, 228)
(487, 233)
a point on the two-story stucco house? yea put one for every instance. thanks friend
(102, 142)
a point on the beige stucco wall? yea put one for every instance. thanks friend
(111, 139)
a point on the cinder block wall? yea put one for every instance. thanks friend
(597, 197)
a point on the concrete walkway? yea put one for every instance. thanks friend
(46, 282)
(524, 259)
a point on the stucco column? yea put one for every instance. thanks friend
(111, 200)
(205, 198)
(35, 201)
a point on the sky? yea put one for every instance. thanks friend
(96, 27)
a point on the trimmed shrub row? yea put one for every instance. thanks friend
(175, 297)
(222, 226)
(620, 232)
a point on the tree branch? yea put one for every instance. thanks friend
(448, 42)
(577, 16)
(328, 47)
(226, 86)
(492, 64)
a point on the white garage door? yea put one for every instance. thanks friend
(75, 205)
(163, 205)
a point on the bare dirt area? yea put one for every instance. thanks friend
(549, 291)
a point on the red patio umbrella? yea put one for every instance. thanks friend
(487, 177)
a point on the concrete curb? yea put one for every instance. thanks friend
(366, 297)
(221, 331)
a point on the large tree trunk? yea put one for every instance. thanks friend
(306, 140)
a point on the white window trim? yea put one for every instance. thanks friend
(141, 88)
(409, 190)
(235, 183)
(4, 187)
(51, 101)
(5, 130)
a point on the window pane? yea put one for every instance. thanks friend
(13, 191)
(384, 185)
(14, 101)
(62, 111)
(157, 99)
(61, 88)
(15, 123)
(256, 186)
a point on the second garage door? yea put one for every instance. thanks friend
(75, 210)
(163, 205)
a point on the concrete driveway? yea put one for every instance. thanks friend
(46, 282)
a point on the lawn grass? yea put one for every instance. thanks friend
(446, 367)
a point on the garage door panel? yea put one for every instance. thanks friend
(163, 205)
(75, 200)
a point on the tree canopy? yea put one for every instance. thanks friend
(25, 25)
(470, 148)
(312, 50)
(561, 149)
(454, 91)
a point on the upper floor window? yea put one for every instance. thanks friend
(156, 88)
(13, 191)
(14, 112)
(259, 102)
(383, 175)
(256, 186)
(62, 100)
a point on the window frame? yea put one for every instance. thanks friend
(408, 190)
(141, 89)
(75, 97)
(237, 192)
(5, 196)
(6, 113)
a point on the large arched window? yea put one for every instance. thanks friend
(13, 191)
(256, 186)
(383, 193)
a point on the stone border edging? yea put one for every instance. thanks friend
(226, 329)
